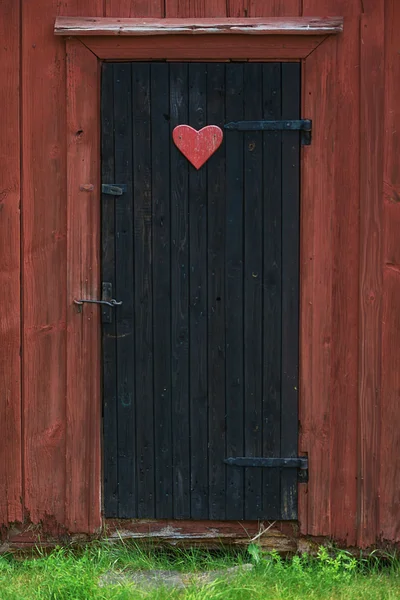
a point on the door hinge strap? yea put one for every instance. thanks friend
(298, 462)
(303, 125)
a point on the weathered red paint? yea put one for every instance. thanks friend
(197, 146)
(345, 248)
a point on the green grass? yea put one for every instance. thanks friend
(74, 574)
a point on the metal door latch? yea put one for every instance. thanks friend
(107, 302)
(113, 189)
(111, 302)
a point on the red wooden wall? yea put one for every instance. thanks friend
(349, 427)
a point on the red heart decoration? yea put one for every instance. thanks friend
(197, 146)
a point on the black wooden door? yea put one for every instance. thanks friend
(200, 360)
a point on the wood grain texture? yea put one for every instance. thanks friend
(195, 8)
(345, 255)
(10, 334)
(134, 8)
(334, 7)
(389, 526)
(109, 342)
(83, 407)
(212, 47)
(345, 310)
(197, 145)
(391, 174)
(371, 168)
(389, 489)
(274, 8)
(154, 27)
(236, 8)
(198, 364)
(316, 284)
(45, 256)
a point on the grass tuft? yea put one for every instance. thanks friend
(74, 574)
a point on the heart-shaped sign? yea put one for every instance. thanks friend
(197, 146)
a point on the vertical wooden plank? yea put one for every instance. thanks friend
(345, 310)
(126, 376)
(180, 299)
(371, 169)
(274, 8)
(160, 144)
(216, 297)
(253, 272)
(389, 489)
(237, 8)
(391, 176)
(345, 8)
(44, 251)
(83, 406)
(10, 306)
(195, 8)
(45, 256)
(290, 286)
(134, 8)
(143, 288)
(109, 341)
(198, 304)
(234, 104)
(272, 289)
(389, 526)
(316, 283)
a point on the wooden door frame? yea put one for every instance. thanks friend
(84, 57)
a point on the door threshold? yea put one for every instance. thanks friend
(281, 536)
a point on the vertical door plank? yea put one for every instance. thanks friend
(195, 8)
(274, 8)
(109, 354)
(253, 272)
(371, 169)
(272, 289)
(198, 304)
(216, 296)
(234, 103)
(389, 489)
(10, 309)
(316, 284)
(160, 148)
(143, 288)
(134, 8)
(345, 311)
(290, 286)
(180, 298)
(83, 407)
(126, 399)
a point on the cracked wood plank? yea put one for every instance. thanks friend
(140, 27)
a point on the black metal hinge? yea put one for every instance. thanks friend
(113, 189)
(302, 125)
(298, 462)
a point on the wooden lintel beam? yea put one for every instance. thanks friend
(82, 26)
